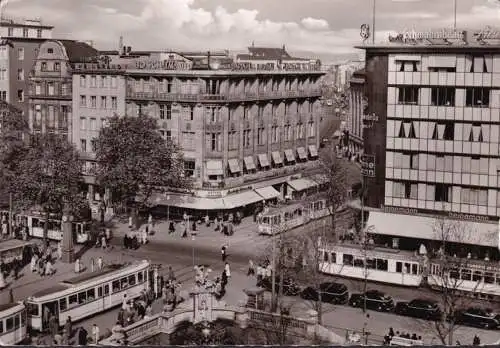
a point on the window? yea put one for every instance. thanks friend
(64, 89)
(83, 123)
(131, 280)
(115, 286)
(114, 103)
(162, 111)
(63, 304)
(25, 32)
(476, 133)
(188, 140)
(57, 66)
(398, 190)
(20, 74)
(189, 167)
(474, 196)
(191, 113)
(261, 136)
(3, 74)
(93, 101)
(9, 324)
(408, 95)
(233, 140)
(407, 130)
(93, 81)
(140, 277)
(168, 135)
(39, 33)
(444, 131)
(83, 101)
(215, 143)
(275, 135)
(311, 129)
(407, 65)
(442, 193)
(82, 297)
(83, 145)
(247, 137)
(50, 88)
(4, 95)
(300, 131)
(20, 55)
(83, 80)
(443, 96)
(10, 32)
(91, 295)
(51, 117)
(20, 95)
(93, 124)
(411, 190)
(405, 160)
(44, 66)
(38, 88)
(286, 132)
(477, 97)
(168, 112)
(114, 82)
(73, 300)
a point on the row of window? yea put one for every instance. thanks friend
(52, 115)
(373, 263)
(26, 32)
(445, 96)
(51, 88)
(100, 81)
(91, 102)
(442, 130)
(467, 274)
(471, 64)
(13, 322)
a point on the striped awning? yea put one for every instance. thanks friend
(313, 151)
(234, 165)
(214, 168)
(263, 160)
(241, 199)
(268, 192)
(302, 153)
(290, 157)
(249, 163)
(301, 184)
(276, 157)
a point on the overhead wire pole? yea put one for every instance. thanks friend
(454, 14)
(273, 271)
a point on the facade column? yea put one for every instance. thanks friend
(91, 193)
(68, 249)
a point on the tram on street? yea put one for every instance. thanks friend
(289, 216)
(35, 222)
(13, 324)
(88, 294)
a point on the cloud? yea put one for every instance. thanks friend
(315, 24)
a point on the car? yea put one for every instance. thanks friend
(290, 287)
(374, 300)
(419, 308)
(331, 292)
(478, 317)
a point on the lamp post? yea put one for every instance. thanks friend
(273, 271)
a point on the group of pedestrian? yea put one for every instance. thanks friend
(391, 334)
(42, 260)
(103, 239)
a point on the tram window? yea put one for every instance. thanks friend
(63, 305)
(91, 295)
(454, 273)
(371, 263)
(414, 268)
(347, 259)
(17, 322)
(333, 257)
(399, 267)
(106, 289)
(82, 297)
(359, 263)
(489, 278)
(1, 326)
(116, 286)
(32, 309)
(139, 277)
(23, 318)
(477, 276)
(99, 291)
(325, 257)
(131, 280)
(466, 274)
(9, 324)
(123, 283)
(407, 268)
(382, 265)
(73, 301)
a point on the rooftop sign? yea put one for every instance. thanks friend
(162, 65)
(415, 36)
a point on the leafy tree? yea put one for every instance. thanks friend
(47, 176)
(135, 160)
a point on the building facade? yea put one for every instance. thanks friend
(50, 86)
(18, 51)
(435, 145)
(357, 105)
(241, 128)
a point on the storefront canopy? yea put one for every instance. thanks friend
(249, 163)
(290, 157)
(313, 151)
(301, 184)
(263, 160)
(241, 199)
(276, 157)
(188, 202)
(267, 192)
(302, 153)
(423, 227)
(214, 168)
(234, 165)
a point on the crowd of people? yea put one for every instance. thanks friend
(388, 338)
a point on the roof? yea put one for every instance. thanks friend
(250, 57)
(51, 290)
(270, 52)
(77, 50)
(5, 306)
(89, 276)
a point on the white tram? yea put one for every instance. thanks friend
(88, 294)
(290, 216)
(12, 324)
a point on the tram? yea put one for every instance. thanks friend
(88, 294)
(13, 328)
(36, 221)
(286, 217)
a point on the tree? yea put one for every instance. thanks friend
(444, 275)
(45, 173)
(134, 159)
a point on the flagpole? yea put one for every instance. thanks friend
(373, 21)
(455, 14)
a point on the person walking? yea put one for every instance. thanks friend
(95, 333)
(227, 270)
(130, 222)
(99, 263)
(251, 268)
(224, 253)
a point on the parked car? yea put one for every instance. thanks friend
(478, 317)
(375, 300)
(330, 292)
(290, 286)
(419, 308)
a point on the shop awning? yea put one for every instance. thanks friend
(214, 168)
(249, 163)
(276, 157)
(263, 160)
(187, 202)
(241, 199)
(423, 227)
(268, 192)
(234, 165)
(290, 157)
(302, 153)
(313, 151)
(301, 184)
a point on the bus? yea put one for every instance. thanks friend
(88, 294)
(13, 328)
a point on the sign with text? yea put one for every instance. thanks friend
(249, 66)
(412, 36)
(166, 64)
(368, 166)
(451, 215)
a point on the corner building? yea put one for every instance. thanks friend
(247, 131)
(436, 141)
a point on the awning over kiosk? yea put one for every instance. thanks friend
(214, 168)
(234, 165)
(302, 153)
(241, 199)
(268, 192)
(276, 157)
(313, 151)
(249, 163)
(301, 184)
(290, 157)
(263, 160)
(187, 202)
(423, 227)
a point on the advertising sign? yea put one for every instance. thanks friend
(368, 166)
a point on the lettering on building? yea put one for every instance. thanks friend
(432, 213)
(413, 37)
(163, 65)
(368, 166)
(248, 66)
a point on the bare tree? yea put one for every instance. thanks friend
(455, 277)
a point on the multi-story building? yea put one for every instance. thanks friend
(356, 113)
(18, 51)
(435, 145)
(241, 128)
(50, 89)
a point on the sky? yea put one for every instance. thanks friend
(316, 26)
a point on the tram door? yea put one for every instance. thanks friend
(50, 310)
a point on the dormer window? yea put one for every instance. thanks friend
(50, 50)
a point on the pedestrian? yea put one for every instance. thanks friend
(125, 303)
(171, 274)
(150, 220)
(95, 333)
(224, 253)
(11, 295)
(126, 241)
(251, 268)
(104, 244)
(476, 341)
(68, 326)
(130, 222)
(59, 250)
(207, 220)
(193, 226)
(78, 266)
(171, 227)
(227, 270)
(99, 263)
(185, 226)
